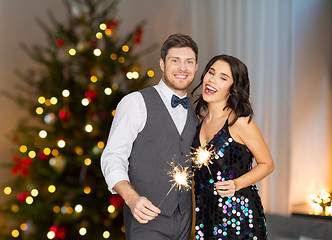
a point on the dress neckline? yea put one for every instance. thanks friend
(209, 142)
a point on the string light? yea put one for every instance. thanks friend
(56, 209)
(114, 56)
(97, 52)
(125, 48)
(54, 100)
(121, 59)
(15, 233)
(93, 79)
(7, 190)
(87, 190)
(108, 91)
(108, 31)
(106, 234)
(102, 26)
(85, 102)
(88, 128)
(113, 113)
(55, 152)
(51, 235)
(23, 149)
(32, 154)
(41, 100)
(82, 231)
(65, 93)
(51, 188)
(15, 208)
(99, 35)
(101, 144)
(321, 204)
(24, 226)
(42, 134)
(47, 151)
(29, 200)
(150, 73)
(39, 110)
(72, 52)
(87, 161)
(34, 192)
(61, 143)
(78, 208)
(111, 209)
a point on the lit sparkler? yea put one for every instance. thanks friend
(181, 178)
(202, 157)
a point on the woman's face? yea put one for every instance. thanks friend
(217, 82)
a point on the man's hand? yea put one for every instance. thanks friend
(143, 210)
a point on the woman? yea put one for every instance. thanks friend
(227, 202)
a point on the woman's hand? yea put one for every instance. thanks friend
(226, 188)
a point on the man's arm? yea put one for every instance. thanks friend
(142, 209)
(129, 120)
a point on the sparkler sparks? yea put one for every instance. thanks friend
(181, 177)
(202, 157)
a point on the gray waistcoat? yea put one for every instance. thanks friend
(158, 144)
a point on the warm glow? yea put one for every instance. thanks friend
(23, 149)
(150, 73)
(50, 235)
(24, 226)
(15, 233)
(135, 75)
(7, 190)
(88, 128)
(113, 113)
(102, 26)
(56, 209)
(43, 134)
(87, 161)
(108, 31)
(82, 231)
(111, 209)
(41, 100)
(78, 208)
(32, 154)
(108, 91)
(51, 188)
(34, 192)
(47, 102)
(61, 143)
(78, 151)
(87, 190)
(125, 48)
(15, 208)
(72, 51)
(97, 52)
(39, 110)
(114, 56)
(54, 100)
(85, 102)
(129, 75)
(29, 200)
(121, 60)
(65, 93)
(93, 79)
(106, 234)
(47, 151)
(99, 35)
(55, 152)
(101, 144)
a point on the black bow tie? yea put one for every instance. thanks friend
(176, 101)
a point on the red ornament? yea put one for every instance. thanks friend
(64, 114)
(22, 196)
(22, 166)
(42, 156)
(138, 35)
(111, 24)
(116, 200)
(91, 95)
(59, 42)
(59, 232)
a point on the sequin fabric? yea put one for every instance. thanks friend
(221, 218)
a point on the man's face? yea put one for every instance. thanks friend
(179, 69)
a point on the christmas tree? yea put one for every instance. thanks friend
(58, 191)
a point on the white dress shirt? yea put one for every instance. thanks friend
(129, 120)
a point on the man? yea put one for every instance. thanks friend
(151, 128)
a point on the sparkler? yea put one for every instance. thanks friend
(202, 157)
(181, 177)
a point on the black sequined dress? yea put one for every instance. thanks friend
(221, 218)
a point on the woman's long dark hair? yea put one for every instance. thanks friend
(238, 100)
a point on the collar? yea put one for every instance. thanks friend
(166, 91)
